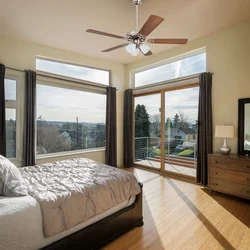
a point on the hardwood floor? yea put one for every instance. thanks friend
(182, 215)
(189, 172)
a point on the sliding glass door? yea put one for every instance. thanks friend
(181, 118)
(176, 128)
(147, 130)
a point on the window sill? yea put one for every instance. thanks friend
(70, 153)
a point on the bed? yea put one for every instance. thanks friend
(23, 217)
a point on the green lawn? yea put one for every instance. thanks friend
(186, 152)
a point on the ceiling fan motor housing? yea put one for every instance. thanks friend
(135, 37)
(137, 2)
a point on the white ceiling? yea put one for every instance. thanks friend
(62, 23)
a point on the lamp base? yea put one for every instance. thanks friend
(225, 150)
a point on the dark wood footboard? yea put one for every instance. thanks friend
(100, 233)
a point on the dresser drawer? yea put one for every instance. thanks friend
(230, 188)
(231, 164)
(248, 168)
(229, 175)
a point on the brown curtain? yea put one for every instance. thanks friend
(2, 110)
(127, 129)
(205, 128)
(111, 137)
(29, 146)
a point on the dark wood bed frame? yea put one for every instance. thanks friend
(102, 232)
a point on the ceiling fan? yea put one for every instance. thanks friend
(136, 39)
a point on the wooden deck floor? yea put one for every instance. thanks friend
(169, 167)
(181, 215)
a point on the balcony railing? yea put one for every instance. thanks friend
(177, 152)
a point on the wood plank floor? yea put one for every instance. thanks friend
(169, 167)
(182, 215)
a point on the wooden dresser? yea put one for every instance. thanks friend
(229, 174)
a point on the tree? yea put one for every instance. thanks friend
(184, 121)
(181, 121)
(156, 125)
(100, 135)
(142, 123)
(49, 139)
(169, 123)
(176, 121)
(142, 126)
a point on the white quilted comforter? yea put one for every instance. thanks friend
(73, 191)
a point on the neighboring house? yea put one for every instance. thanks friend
(187, 134)
(195, 127)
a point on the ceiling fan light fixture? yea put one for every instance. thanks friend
(131, 49)
(136, 52)
(144, 48)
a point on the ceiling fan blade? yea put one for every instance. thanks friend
(97, 32)
(168, 41)
(116, 47)
(152, 22)
(147, 54)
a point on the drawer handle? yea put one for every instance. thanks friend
(248, 179)
(216, 173)
(248, 167)
(216, 184)
(216, 161)
(248, 191)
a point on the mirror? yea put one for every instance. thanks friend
(244, 126)
(247, 127)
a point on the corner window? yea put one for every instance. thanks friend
(181, 68)
(69, 119)
(10, 116)
(74, 71)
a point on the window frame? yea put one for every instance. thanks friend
(15, 104)
(72, 86)
(76, 80)
(162, 63)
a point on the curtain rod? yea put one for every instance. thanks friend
(58, 78)
(167, 82)
(20, 70)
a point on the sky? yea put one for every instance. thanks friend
(188, 66)
(10, 89)
(79, 72)
(59, 104)
(185, 100)
(10, 94)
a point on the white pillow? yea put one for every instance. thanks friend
(11, 181)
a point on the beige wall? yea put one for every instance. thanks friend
(22, 54)
(228, 57)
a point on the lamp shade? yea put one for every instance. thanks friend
(224, 131)
(144, 48)
(131, 48)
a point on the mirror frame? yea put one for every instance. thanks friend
(241, 128)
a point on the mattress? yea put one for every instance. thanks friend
(72, 191)
(21, 223)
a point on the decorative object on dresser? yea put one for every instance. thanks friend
(244, 126)
(225, 131)
(229, 174)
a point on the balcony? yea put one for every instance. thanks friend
(180, 156)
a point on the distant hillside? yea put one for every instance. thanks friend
(59, 123)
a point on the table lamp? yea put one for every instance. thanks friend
(224, 131)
